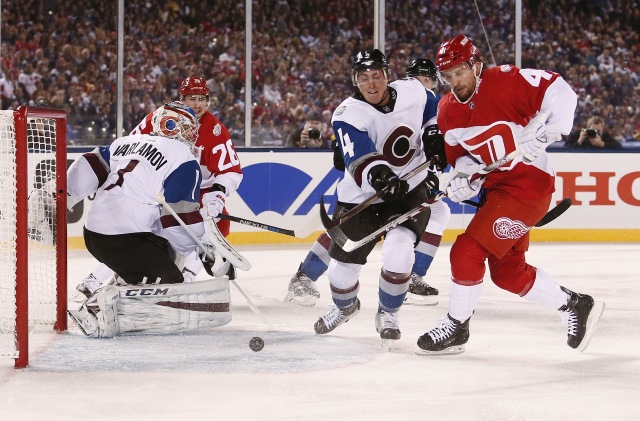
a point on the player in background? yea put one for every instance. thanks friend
(302, 289)
(126, 176)
(501, 109)
(221, 172)
(379, 132)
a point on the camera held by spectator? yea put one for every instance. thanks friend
(309, 137)
(593, 136)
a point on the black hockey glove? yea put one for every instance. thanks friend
(338, 159)
(433, 183)
(382, 178)
(433, 145)
(208, 260)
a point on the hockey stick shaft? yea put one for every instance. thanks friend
(160, 199)
(266, 227)
(552, 215)
(329, 223)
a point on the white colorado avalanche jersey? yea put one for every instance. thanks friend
(371, 135)
(126, 177)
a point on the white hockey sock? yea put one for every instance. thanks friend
(463, 300)
(546, 291)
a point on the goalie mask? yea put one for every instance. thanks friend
(174, 120)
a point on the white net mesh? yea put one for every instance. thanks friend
(41, 222)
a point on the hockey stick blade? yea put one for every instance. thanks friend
(351, 245)
(558, 210)
(329, 223)
(223, 247)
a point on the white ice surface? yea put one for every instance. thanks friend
(517, 365)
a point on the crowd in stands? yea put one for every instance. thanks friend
(65, 51)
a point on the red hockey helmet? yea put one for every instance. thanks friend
(194, 86)
(456, 51)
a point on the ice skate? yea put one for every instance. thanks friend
(388, 328)
(335, 317)
(581, 315)
(302, 291)
(420, 293)
(86, 288)
(447, 338)
(85, 320)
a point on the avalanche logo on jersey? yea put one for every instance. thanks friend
(507, 229)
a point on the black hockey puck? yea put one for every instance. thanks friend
(256, 344)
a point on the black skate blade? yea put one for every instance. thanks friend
(592, 324)
(452, 350)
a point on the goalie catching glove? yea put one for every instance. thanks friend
(214, 201)
(382, 177)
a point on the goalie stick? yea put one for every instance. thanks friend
(225, 250)
(222, 246)
(299, 233)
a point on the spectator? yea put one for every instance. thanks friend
(593, 136)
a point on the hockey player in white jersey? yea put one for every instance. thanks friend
(302, 288)
(128, 230)
(378, 130)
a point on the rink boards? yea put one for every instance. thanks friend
(283, 188)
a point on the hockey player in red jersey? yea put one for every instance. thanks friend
(488, 115)
(219, 163)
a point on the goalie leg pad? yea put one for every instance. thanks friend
(107, 299)
(174, 307)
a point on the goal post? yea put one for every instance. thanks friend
(33, 226)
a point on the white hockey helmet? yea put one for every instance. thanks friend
(174, 120)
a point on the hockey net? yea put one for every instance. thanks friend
(33, 234)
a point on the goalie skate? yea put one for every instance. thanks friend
(86, 322)
(420, 293)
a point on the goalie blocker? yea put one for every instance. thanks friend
(155, 308)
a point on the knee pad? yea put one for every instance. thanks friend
(467, 259)
(397, 250)
(512, 273)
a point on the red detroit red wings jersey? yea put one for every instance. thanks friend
(218, 154)
(489, 124)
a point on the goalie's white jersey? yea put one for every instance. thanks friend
(370, 135)
(127, 175)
